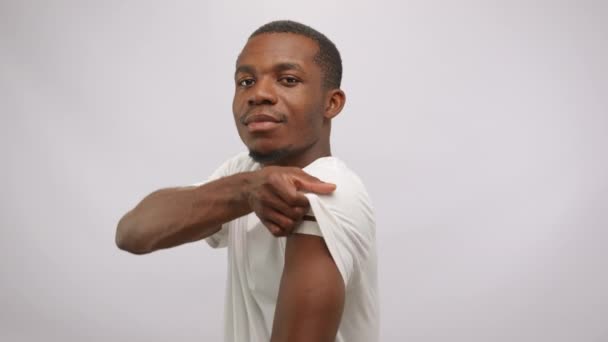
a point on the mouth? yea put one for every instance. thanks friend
(261, 122)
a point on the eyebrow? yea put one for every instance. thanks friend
(246, 69)
(287, 66)
(249, 69)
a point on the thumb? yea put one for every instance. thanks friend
(315, 185)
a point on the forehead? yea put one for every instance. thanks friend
(270, 48)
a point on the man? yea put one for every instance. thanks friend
(302, 252)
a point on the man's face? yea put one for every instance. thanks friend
(279, 99)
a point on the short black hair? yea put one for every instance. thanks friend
(328, 56)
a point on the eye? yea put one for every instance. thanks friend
(289, 80)
(247, 82)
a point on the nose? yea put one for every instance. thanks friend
(262, 93)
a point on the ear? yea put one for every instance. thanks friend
(334, 103)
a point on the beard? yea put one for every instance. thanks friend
(269, 157)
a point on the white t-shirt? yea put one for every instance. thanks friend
(345, 220)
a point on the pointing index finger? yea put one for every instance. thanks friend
(306, 182)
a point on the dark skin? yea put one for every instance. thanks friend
(276, 75)
(282, 111)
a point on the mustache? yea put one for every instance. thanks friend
(254, 111)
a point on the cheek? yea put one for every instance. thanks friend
(309, 123)
(315, 115)
(238, 109)
(311, 112)
(235, 106)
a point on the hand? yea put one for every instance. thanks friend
(276, 198)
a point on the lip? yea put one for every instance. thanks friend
(262, 117)
(260, 126)
(261, 122)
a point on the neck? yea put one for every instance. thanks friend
(302, 158)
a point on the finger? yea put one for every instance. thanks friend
(300, 212)
(307, 182)
(288, 192)
(286, 224)
(296, 214)
(273, 201)
(274, 229)
(315, 185)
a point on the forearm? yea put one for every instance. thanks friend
(174, 216)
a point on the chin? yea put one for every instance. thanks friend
(267, 157)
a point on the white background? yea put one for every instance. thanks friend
(479, 127)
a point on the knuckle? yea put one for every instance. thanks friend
(291, 200)
(271, 227)
(292, 214)
(274, 179)
(301, 202)
(312, 178)
(299, 211)
(287, 222)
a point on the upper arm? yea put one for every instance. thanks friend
(311, 294)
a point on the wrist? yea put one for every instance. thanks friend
(245, 189)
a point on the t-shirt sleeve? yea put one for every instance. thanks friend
(346, 222)
(309, 228)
